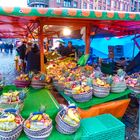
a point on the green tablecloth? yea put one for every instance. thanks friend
(32, 103)
(95, 100)
(34, 100)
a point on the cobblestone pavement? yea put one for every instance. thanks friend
(7, 66)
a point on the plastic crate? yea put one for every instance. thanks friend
(103, 127)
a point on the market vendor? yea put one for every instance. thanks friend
(70, 49)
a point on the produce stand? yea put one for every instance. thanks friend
(23, 21)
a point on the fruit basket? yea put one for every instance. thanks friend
(38, 126)
(11, 125)
(68, 92)
(100, 88)
(68, 120)
(119, 84)
(82, 93)
(38, 81)
(13, 99)
(134, 84)
(22, 81)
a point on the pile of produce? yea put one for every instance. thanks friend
(133, 83)
(10, 125)
(119, 84)
(38, 80)
(38, 125)
(12, 99)
(22, 81)
(68, 120)
(52, 56)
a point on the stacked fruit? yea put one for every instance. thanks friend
(81, 89)
(119, 84)
(9, 121)
(134, 84)
(100, 83)
(23, 77)
(38, 121)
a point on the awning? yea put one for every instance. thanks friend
(17, 22)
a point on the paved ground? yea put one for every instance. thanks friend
(7, 68)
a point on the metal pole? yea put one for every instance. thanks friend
(41, 44)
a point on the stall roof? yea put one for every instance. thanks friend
(16, 22)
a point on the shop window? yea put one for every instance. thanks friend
(67, 4)
(108, 2)
(85, 5)
(58, 1)
(91, 6)
(75, 4)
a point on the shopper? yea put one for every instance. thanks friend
(21, 50)
(11, 48)
(33, 59)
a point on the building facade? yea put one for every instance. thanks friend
(114, 5)
(38, 3)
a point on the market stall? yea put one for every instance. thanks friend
(21, 22)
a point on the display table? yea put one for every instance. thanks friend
(95, 100)
(35, 99)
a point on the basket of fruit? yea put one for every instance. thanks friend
(134, 84)
(68, 120)
(118, 85)
(38, 81)
(82, 93)
(68, 92)
(22, 81)
(101, 88)
(11, 125)
(38, 126)
(13, 99)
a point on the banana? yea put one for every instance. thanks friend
(9, 118)
(34, 117)
(39, 117)
(7, 94)
(73, 116)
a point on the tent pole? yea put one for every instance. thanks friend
(41, 44)
(87, 39)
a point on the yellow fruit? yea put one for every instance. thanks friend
(34, 117)
(39, 117)
(28, 125)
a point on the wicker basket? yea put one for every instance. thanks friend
(22, 83)
(13, 134)
(39, 134)
(118, 87)
(101, 91)
(135, 89)
(68, 92)
(64, 127)
(84, 97)
(37, 84)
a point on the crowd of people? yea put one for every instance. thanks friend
(6, 47)
(29, 55)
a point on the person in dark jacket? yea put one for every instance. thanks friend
(33, 59)
(21, 50)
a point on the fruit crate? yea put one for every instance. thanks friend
(104, 127)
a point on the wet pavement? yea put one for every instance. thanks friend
(130, 119)
(7, 66)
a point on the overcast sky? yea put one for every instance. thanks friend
(21, 3)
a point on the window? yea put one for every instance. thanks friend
(104, 8)
(85, 5)
(91, 6)
(99, 7)
(108, 2)
(75, 4)
(67, 4)
(58, 1)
